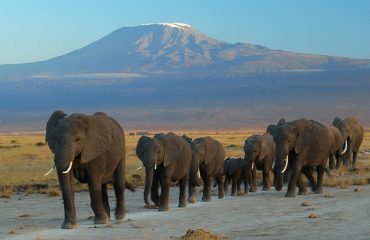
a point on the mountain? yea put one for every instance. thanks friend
(178, 77)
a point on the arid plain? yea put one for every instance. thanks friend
(31, 205)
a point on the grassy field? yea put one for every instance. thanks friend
(25, 158)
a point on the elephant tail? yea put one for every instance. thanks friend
(130, 186)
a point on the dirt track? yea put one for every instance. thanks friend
(342, 214)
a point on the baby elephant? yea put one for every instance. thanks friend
(259, 154)
(235, 169)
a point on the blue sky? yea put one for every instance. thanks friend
(33, 30)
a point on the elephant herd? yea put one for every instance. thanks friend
(92, 150)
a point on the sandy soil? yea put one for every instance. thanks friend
(342, 214)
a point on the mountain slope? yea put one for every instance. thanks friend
(170, 75)
(173, 48)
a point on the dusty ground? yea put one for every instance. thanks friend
(342, 214)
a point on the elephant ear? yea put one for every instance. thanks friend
(337, 121)
(281, 122)
(210, 149)
(98, 137)
(173, 146)
(140, 145)
(264, 151)
(51, 126)
(304, 140)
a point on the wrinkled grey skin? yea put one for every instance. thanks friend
(307, 144)
(353, 132)
(336, 146)
(208, 155)
(96, 145)
(260, 150)
(172, 155)
(271, 129)
(235, 170)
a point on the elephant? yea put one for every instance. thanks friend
(352, 136)
(336, 143)
(272, 127)
(235, 169)
(93, 147)
(303, 145)
(259, 153)
(207, 161)
(165, 157)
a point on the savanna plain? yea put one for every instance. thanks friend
(31, 205)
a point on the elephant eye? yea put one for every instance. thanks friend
(78, 139)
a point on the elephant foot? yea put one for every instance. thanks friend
(101, 220)
(206, 199)
(163, 209)
(69, 225)
(120, 214)
(252, 189)
(305, 192)
(221, 195)
(181, 205)
(266, 188)
(319, 191)
(288, 194)
(192, 200)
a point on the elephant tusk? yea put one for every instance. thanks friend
(345, 148)
(139, 168)
(49, 171)
(252, 165)
(155, 166)
(198, 173)
(273, 164)
(286, 164)
(69, 168)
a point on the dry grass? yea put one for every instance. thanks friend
(201, 234)
(24, 160)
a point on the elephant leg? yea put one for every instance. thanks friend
(105, 199)
(154, 195)
(206, 186)
(182, 197)
(226, 183)
(67, 188)
(233, 184)
(165, 190)
(294, 175)
(301, 185)
(192, 193)
(245, 181)
(354, 160)
(221, 190)
(95, 190)
(266, 179)
(331, 161)
(119, 189)
(320, 175)
(308, 172)
(254, 183)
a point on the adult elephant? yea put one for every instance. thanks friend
(259, 153)
(91, 149)
(303, 145)
(165, 157)
(235, 169)
(271, 129)
(336, 143)
(352, 136)
(207, 160)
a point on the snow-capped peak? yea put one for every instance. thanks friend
(174, 25)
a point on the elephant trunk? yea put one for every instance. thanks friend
(62, 160)
(281, 164)
(194, 174)
(148, 183)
